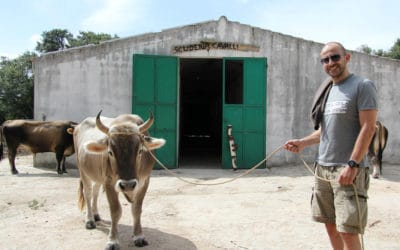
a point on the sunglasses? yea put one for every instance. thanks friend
(333, 58)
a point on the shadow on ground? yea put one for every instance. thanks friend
(156, 238)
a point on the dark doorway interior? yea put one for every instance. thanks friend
(200, 112)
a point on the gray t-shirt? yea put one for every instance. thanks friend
(340, 125)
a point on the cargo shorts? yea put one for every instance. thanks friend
(337, 204)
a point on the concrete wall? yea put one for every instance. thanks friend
(77, 83)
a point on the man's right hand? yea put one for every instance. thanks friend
(294, 146)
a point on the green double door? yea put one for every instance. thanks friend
(156, 89)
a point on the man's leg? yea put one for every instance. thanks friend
(334, 236)
(351, 241)
(352, 210)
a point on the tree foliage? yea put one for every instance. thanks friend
(16, 87)
(379, 52)
(365, 49)
(89, 37)
(54, 40)
(394, 52)
(61, 39)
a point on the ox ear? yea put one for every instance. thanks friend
(153, 143)
(70, 131)
(96, 147)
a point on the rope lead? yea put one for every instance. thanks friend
(216, 183)
(255, 167)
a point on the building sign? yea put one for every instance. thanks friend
(208, 45)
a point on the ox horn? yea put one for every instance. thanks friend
(100, 125)
(147, 124)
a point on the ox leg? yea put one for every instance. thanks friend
(115, 213)
(87, 192)
(136, 208)
(63, 169)
(380, 161)
(375, 173)
(12, 152)
(60, 159)
(375, 166)
(96, 188)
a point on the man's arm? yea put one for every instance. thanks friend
(297, 145)
(367, 122)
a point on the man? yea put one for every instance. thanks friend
(344, 132)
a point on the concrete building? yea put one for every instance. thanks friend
(198, 79)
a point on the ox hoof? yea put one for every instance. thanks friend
(375, 174)
(14, 171)
(90, 225)
(112, 246)
(60, 172)
(97, 217)
(140, 242)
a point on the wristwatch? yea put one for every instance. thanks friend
(353, 164)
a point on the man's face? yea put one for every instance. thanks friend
(334, 60)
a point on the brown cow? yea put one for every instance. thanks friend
(38, 137)
(113, 152)
(375, 150)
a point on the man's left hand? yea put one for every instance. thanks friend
(347, 176)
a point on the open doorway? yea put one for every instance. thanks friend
(200, 112)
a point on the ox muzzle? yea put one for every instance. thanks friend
(125, 185)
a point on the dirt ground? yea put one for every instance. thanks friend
(269, 209)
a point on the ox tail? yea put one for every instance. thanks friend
(1, 143)
(81, 197)
(385, 136)
(383, 139)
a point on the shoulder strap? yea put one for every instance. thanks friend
(318, 105)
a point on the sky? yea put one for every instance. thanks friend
(354, 23)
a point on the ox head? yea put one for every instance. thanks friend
(127, 144)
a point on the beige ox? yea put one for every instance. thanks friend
(113, 152)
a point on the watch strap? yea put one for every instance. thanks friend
(353, 164)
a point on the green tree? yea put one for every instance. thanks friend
(89, 37)
(16, 87)
(394, 52)
(61, 39)
(365, 49)
(379, 52)
(54, 40)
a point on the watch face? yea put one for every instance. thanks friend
(352, 164)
